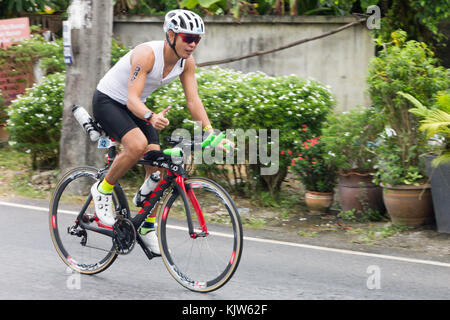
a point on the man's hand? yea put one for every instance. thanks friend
(222, 145)
(159, 120)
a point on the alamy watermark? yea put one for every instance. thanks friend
(373, 21)
(251, 147)
(374, 280)
(73, 281)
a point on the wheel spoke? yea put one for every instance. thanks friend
(204, 265)
(81, 249)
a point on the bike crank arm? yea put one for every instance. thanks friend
(104, 231)
(147, 252)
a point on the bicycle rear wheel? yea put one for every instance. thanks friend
(84, 251)
(207, 262)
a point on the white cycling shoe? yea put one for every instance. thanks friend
(151, 241)
(103, 206)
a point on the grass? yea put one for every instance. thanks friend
(308, 234)
(13, 160)
(16, 173)
(372, 234)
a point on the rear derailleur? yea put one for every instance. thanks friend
(75, 231)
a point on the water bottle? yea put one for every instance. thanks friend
(85, 120)
(148, 186)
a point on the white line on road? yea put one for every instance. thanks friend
(284, 243)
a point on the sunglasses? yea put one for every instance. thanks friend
(189, 38)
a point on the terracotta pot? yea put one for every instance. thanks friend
(357, 191)
(409, 205)
(318, 202)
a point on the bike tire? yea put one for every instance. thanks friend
(98, 253)
(212, 259)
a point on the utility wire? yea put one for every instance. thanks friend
(296, 43)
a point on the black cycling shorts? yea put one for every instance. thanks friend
(116, 119)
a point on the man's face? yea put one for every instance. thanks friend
(186, 44)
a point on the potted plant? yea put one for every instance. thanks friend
(411, 68)
(435, 121)
(316, 173)
(350, 138)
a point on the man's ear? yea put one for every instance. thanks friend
(171, 35)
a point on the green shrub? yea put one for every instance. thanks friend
(118, 50)
(350, 138)
(234, 100)
(49, 54)
(3, 114)
(312, 168)
(34, 121)
(435, 121)
(24, 55)
(408, 67)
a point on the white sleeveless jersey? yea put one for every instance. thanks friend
(115, 82)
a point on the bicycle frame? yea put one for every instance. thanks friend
(175, 177)
(178, 182)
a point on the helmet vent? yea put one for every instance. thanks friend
(187, 16)
(182, 23)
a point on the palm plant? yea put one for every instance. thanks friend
(435, 121)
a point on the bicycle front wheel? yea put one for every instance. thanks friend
(204, 263)
(84, 251)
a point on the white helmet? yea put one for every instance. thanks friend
(183, 21)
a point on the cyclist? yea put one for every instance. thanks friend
(118, 105)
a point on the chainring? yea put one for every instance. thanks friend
(124, 236)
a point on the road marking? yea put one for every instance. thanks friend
(284, 243)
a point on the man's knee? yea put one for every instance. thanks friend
(151, 147)
(134, 143)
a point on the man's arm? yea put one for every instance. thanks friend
(142, 61)
(193, 100)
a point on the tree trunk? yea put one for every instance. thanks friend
(294, 7)
(91, 32)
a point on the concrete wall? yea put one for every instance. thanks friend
(339, 60)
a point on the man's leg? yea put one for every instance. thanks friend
(149, 224)
(134, 145)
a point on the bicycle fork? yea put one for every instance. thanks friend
(189, 192)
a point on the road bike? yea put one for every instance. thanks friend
(198, 225)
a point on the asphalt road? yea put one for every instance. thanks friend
(31, 269)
